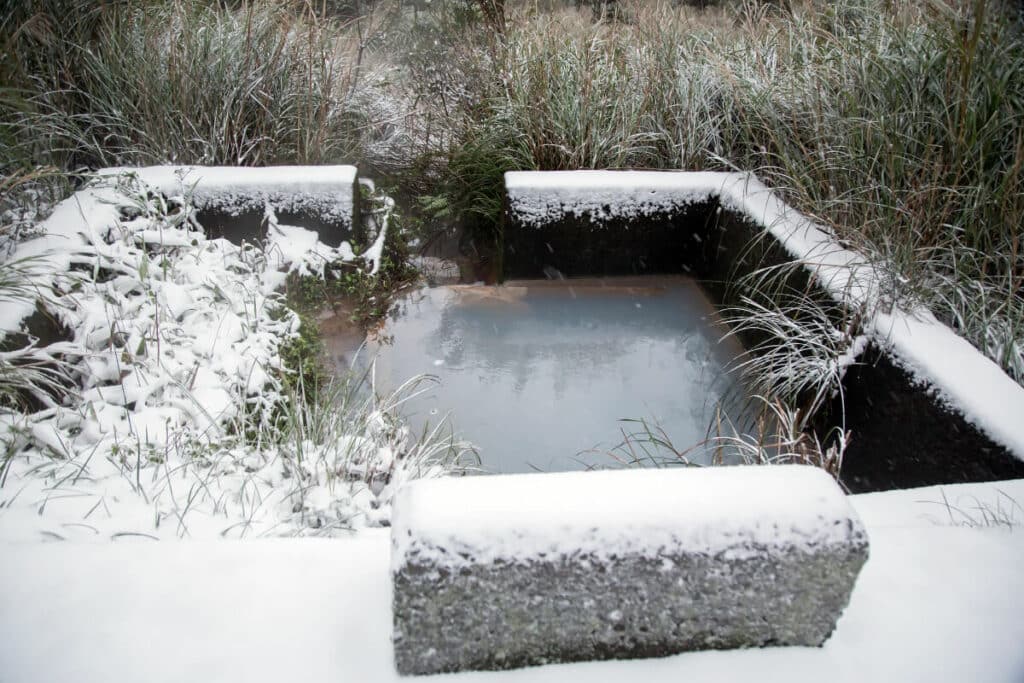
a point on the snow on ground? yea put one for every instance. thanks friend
(960, 376)
(174, 356)
(936, 601)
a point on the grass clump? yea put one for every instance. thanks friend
(778, 434)
(186, 82)
(362, 289)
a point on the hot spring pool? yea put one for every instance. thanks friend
(540, 374)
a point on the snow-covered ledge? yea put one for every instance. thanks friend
(971, 392)
(328, 196)
(509, 571)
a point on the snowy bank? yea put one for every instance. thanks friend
(937, 601)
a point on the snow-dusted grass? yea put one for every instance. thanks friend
(173, 413)
(27, 195)
(190, 81)
(774, 434)
(896, 124)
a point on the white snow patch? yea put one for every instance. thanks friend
(637, 512)
(934, 602)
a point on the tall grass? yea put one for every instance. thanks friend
(779, 435)
(899, 125)
(189, 81)
(30, 377)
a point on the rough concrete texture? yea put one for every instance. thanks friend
(502, 612)
(517, 614)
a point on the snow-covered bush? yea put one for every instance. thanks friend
(181, 418)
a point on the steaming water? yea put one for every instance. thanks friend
(538, 375)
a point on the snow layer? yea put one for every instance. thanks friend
(737, 510)
(326, 190)
(539, 198)
(936, 601)
(962, 378)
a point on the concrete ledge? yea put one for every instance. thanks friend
(606, 223)
(509, 571)
(231, 200)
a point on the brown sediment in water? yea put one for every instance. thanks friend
(489, 295)
(342, 338)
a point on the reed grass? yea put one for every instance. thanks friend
(186, 82)
(779, 435)
(900, 126)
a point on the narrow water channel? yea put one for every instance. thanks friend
(539, 374)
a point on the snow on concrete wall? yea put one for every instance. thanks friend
(507, 571)
(540, 198)
(328, 191)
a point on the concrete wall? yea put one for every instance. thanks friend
(517, 570)
(230, 201)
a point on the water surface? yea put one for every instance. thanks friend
(539, 375)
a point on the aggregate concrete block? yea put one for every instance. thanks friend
(510, 571)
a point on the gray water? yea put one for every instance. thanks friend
(538, 375)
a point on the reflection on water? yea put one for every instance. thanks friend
(537, 374)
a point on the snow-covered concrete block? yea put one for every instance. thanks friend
(508, 571)
(233, 199)
(540, 198)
